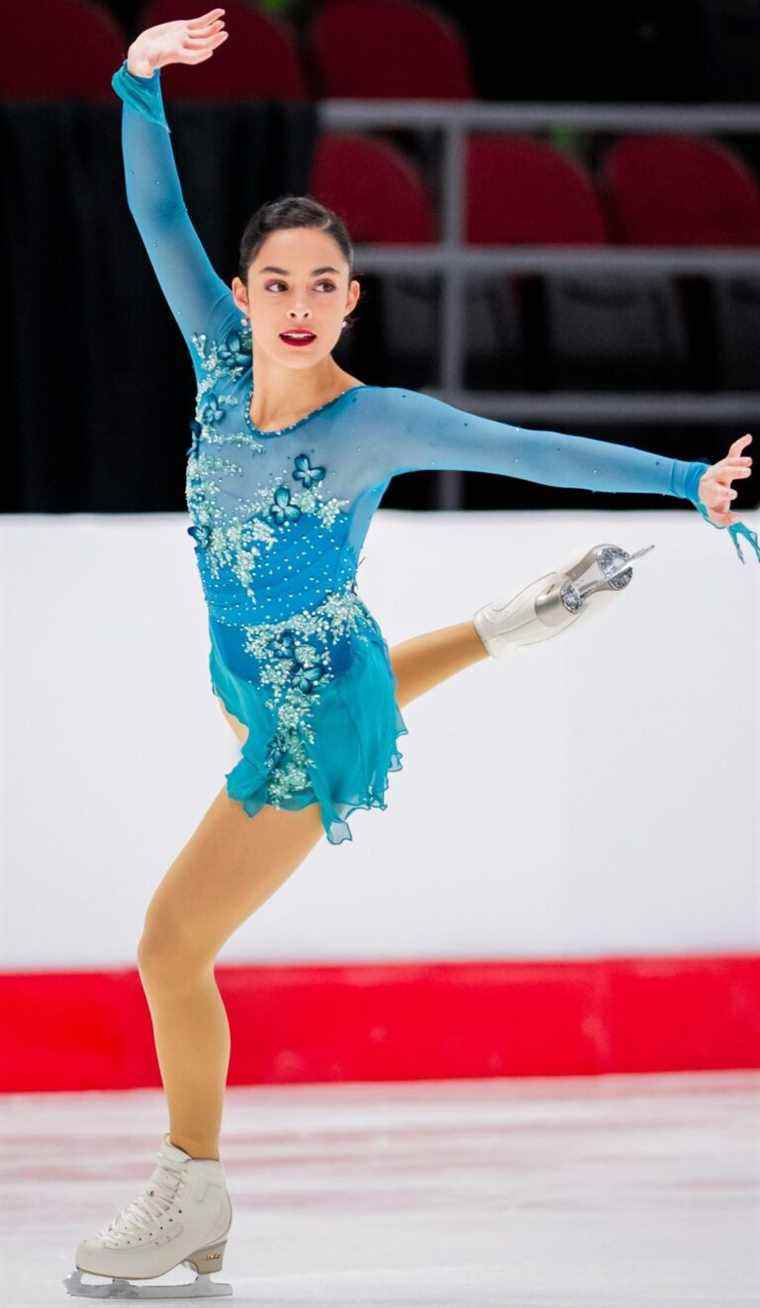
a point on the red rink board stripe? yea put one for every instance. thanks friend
(395, 1021)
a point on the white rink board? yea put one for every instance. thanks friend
(597, 794)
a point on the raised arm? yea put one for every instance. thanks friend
(420, 432)
(193, 290)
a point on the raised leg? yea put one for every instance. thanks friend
(423, 661)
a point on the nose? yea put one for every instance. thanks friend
(299, 315)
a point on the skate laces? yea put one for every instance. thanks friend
(139, 1217)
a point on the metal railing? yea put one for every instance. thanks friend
(454, 260)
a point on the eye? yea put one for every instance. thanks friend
(324, 282)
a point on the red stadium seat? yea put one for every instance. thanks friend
(258, 61)
(525, 192)
(374, 188)
(71, 52)
(381, 198)
(678, 190)
(584, 329)
(387, 49)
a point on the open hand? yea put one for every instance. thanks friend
(715, 485)
(185, 41)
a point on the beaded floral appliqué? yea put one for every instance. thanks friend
(236, 539)
(295, 663)
(229, 358)
(304, 472)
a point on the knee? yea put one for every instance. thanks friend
(166, 953)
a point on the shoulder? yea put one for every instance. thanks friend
(389, 395)
(399, 401)
(381, 401)
(225, 345)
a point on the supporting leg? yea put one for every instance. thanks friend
(230, 866)
(192, 1038)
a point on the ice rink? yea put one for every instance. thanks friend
(613, 1191)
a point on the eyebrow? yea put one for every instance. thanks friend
(270, 268)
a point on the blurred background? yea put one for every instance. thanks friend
(556, 215)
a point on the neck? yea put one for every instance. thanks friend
(283, 395)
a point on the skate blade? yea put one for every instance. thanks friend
(122, 1288)
(626, 562)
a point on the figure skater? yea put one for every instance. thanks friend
(283, 479)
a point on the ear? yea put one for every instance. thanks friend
(354, 291)
(240, 294)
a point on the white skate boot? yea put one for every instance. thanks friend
(183, 1216)
(546, 607)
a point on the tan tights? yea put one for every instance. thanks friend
(229, 867)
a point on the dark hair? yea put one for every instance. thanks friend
(293, 211)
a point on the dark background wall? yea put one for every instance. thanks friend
(96, 371)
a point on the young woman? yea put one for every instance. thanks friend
(283, 479)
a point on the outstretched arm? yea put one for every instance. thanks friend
(421, 432)
(192, 288)
(428, 433)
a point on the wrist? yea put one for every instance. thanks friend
(693, 479)
(138, 65)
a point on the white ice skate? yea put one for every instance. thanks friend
(550, 605)
(183, 1216)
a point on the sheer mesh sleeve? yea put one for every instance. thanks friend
(425, 433)
(196, 295)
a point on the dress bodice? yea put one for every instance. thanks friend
(275, 515)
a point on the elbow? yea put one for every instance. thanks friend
(153, 213)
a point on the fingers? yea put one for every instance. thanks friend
(208, 29)
(198, 33)
(728, 472)
(718, 494)
(204, 34)
(722, 515)
(206, 42)
(734, 465)
(205, 19)
(196, 56)
(195, 51)
(740, 444)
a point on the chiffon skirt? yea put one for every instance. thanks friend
(318, 695)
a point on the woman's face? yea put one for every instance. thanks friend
(298, 281)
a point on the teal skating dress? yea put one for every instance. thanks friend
(279, 518)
